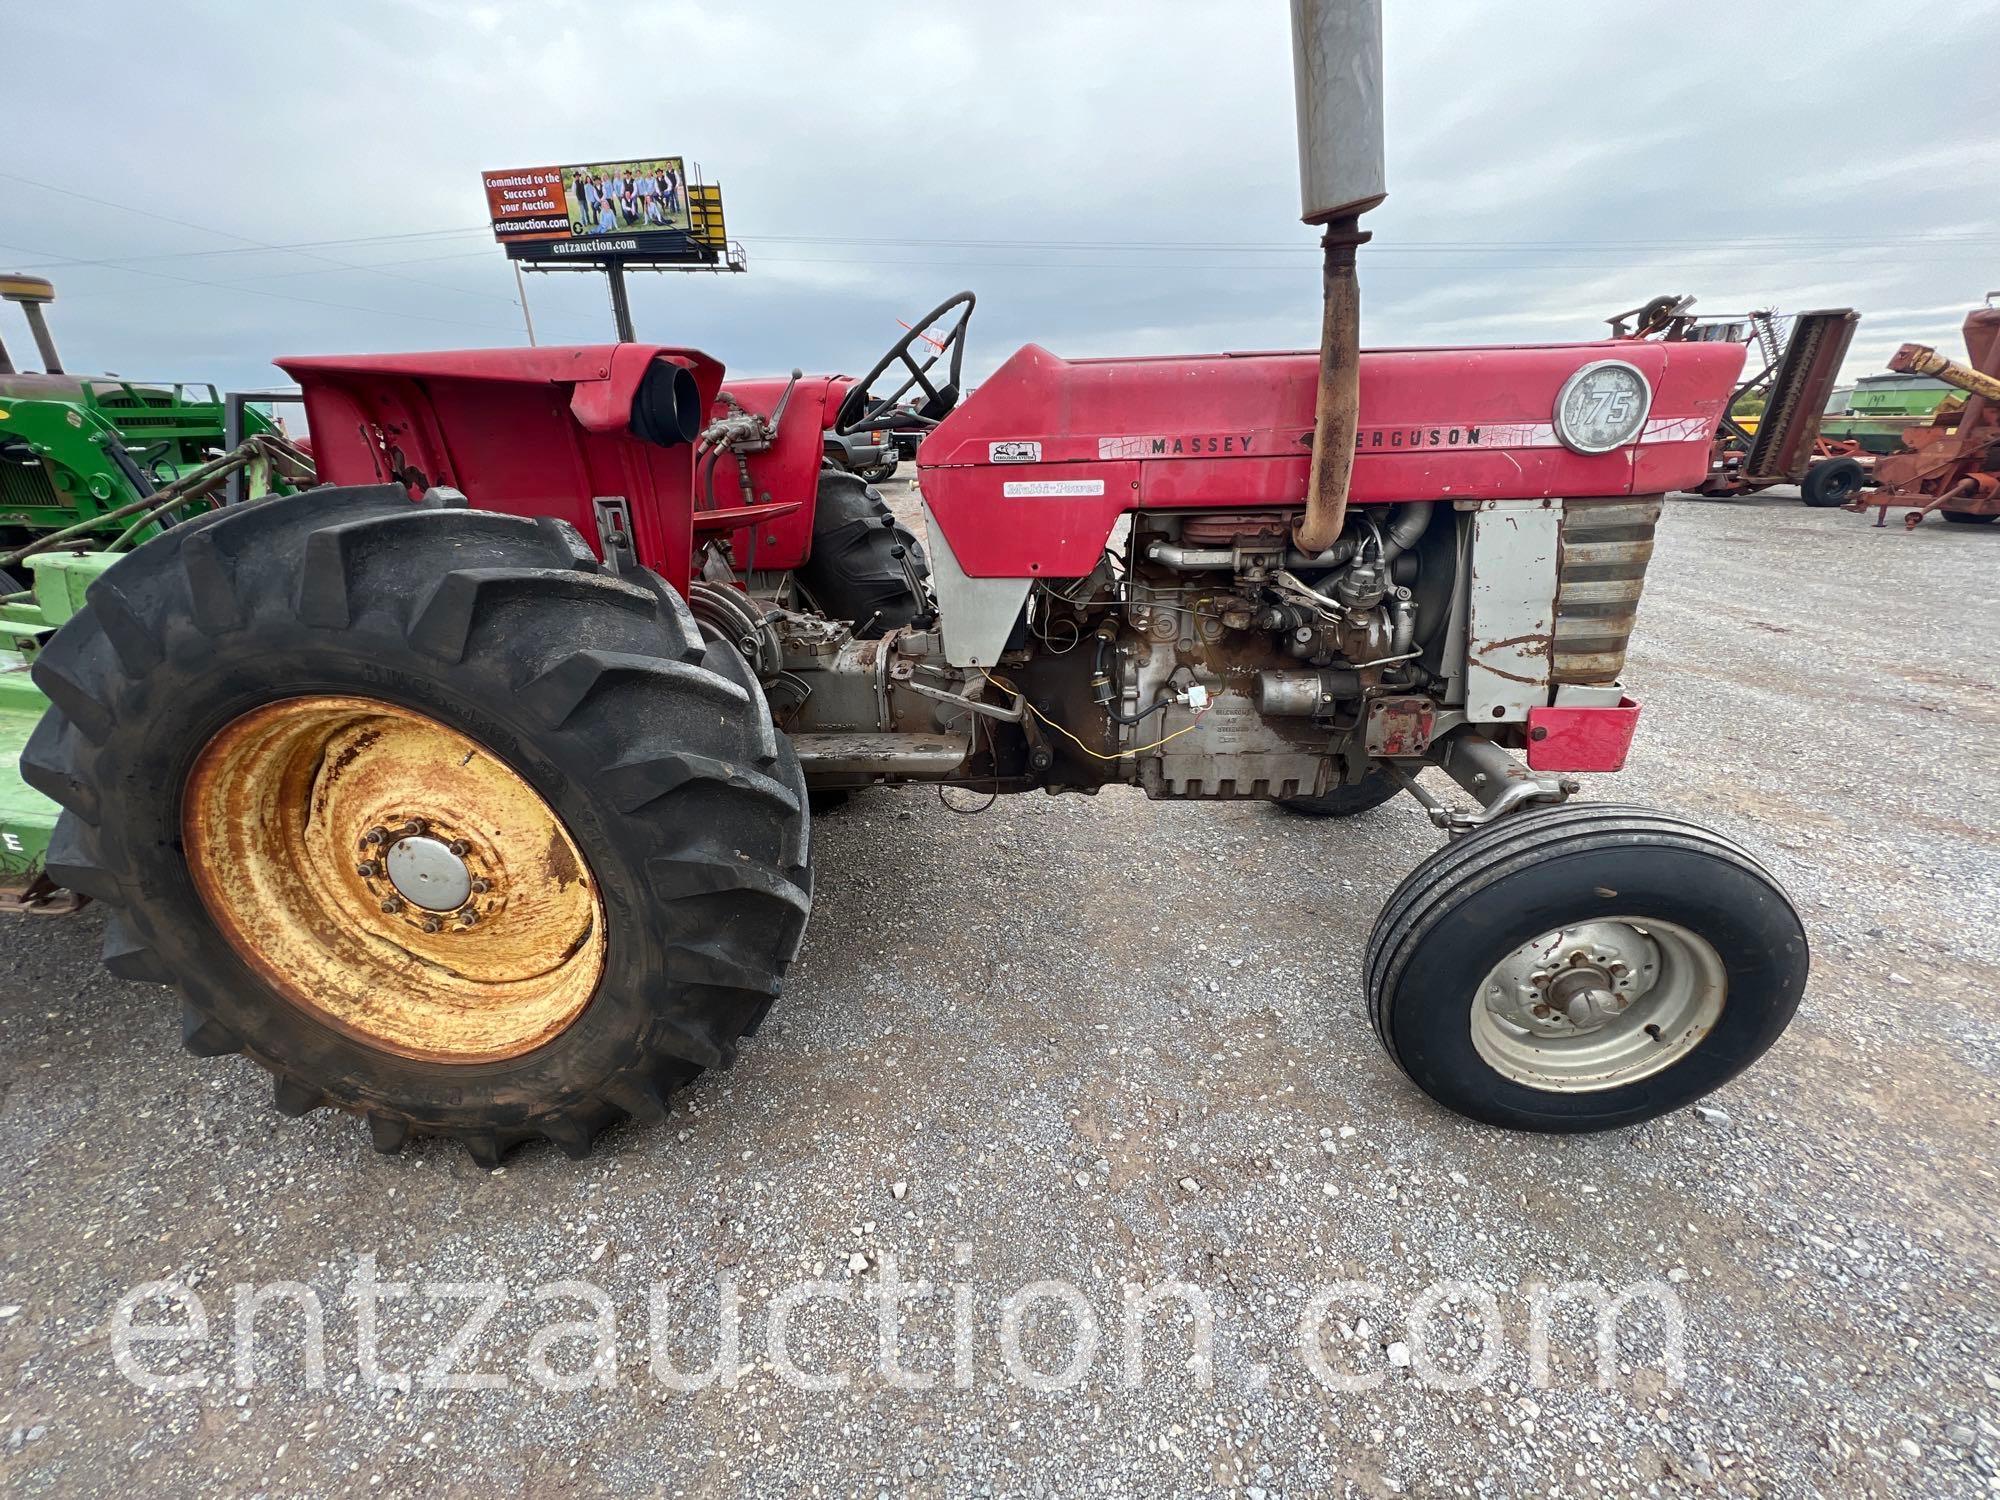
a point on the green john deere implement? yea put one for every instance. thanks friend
(89, 468)
(1875, 410)
(27, 818)
(74, 449)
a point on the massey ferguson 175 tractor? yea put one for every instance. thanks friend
(472, 792)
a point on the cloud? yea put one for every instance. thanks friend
(1110, 179)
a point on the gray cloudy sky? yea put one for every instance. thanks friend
(1110, 178)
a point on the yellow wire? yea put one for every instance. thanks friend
(1094, 754)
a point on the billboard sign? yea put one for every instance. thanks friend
(632, 210)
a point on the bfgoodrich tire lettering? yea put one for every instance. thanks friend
(656, 752)
(1465, 908)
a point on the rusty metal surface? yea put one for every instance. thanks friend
(1401, 726)
(1921, 359)
(287, 816)
(41, 897)
(1951, 462)
(1337, 409)
(1221, 528)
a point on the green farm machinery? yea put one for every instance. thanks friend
(90, 466)
(74, 449)
(1874, 411)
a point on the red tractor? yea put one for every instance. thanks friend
(472, 793)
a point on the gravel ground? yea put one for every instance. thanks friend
(1099, 1041)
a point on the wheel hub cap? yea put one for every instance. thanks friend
(393, 878)
(1599, 1004)
(1575, 979)
(426, 873)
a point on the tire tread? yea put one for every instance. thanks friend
(736, 879)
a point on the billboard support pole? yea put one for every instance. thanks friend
(521, 286)
(621, 309)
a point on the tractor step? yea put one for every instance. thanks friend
(878, 754)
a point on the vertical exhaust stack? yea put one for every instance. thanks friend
(32, 292)
(1337, 74)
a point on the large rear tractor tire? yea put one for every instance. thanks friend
(854, 572)
(1346, 800)
(425, 813)
(1583, 968)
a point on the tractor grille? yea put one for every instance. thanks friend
(146, 408)
(23, 485)
(1606, 545)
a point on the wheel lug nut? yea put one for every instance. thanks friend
(468, 916)
(481, 885)
(410, 829)
(459, 847)
(431, 924)
(392, 904)
(366, 868)
(373, 837)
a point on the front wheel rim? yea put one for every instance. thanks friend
(393, 879)
(1598, 1005)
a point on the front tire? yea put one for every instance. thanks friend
(1970, 518)
(879, 473)
(260, 708)
(1583, 968)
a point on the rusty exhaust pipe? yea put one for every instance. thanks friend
(1337, 78)
(1338, 408)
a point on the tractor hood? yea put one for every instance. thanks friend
(1032, 471)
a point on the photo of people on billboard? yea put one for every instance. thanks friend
(626, 197)
(642, 209)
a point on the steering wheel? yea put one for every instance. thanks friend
(861, 409)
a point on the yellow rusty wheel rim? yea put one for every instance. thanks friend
(289, 818)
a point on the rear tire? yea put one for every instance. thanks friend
(853, 573)
(1968, 518)
(1834, 481)
(1346, 800)
(1728, 954)
(653, 752)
